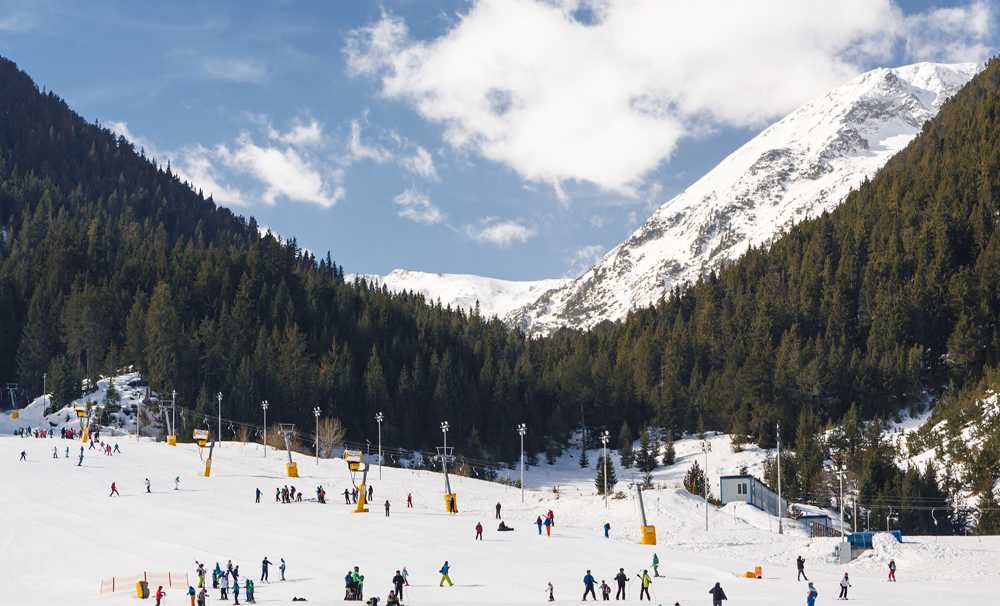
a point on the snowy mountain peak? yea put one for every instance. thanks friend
(496, 297)
(795, 169)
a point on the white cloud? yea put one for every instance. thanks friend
(233, 69)
(284, 172)
(196, 165)
(583, 258)
(526, 84)
(360, 151)
(421, 163)
(500, 233)
(949, 34)
(417, 207)
(300, 134)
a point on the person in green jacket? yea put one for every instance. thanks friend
(656, 565)
(359, 582)
(645, 583)
(249, 591)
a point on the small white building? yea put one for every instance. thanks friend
(748, 489)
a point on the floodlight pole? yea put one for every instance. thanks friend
(263, 405)
(219, 438)
(604, 440)
(522, 429)
(841, 470)
(316, 412)
(444, 454)
(378, 418)
(173, 412)
(781, 530)
(706, 448)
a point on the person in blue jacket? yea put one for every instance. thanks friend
(538, 522)
(811, 595)
(588, 586)
(607, 530)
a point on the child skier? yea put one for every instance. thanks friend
(892, 571)
(844, 584)
(811, 595)
(159, 594)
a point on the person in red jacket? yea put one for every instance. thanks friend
(479, 531)
(159, 594)
(114, 490)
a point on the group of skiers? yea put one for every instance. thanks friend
(549, 522)
(286, 494)
(589, 584)
(845, 581)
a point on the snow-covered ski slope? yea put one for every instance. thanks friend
(62, 533)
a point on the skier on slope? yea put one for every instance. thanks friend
(177, 483)
(621, 578)
(538, 522)
(644, 582)
(811, 595)
(257, 493)
(588, 586)
(892, 570)
(114, 489)
(24, 456)
(147, 486)
(844, 584)
(191, 594)
(479, 531)
(800, 564)
(281, 568)
(498, 510)
(387, 508)
(397, 584)
(717, 595)
(548, 527)
(551, 591)
(347, 497)
(263, 569)
(249, 591)
(224, 586)
(656, 565)
(409, 505)
(159, 594)
(605, 591)
(607, 530)
(445, 569)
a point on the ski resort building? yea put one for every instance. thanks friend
(748, 489)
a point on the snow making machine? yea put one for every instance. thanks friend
(355, 463)
(648, 530)
(445, 454)
(201, 437)
(81, 413)
(291, 467)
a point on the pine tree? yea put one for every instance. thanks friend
(669, 454)
(989, 513)
(625, 452)
(584, 461)
(612, 477)
(645, 458)
(694, 480)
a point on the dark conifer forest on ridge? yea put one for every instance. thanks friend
(108, 259)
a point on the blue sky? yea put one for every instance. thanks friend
(514, 139)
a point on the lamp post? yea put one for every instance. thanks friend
(219, 437)
(841, 470)
(706, 448)
(316, 412)
(604, 440)
(522, 429)
(378, 419)
(781, 530)
(264, 405)
(444, 431)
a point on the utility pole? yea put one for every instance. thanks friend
(316, 413)
(780, 508)
(706, 448)
(522, 429)
(45, 379)
(218, 439)
(378, 418)
(604, 440)
(264, 405)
